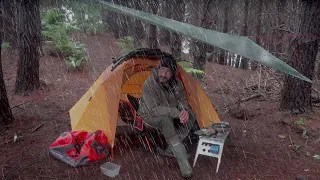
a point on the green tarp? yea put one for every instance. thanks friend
(233, 43)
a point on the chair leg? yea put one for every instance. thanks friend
(148, 144)
(195, 159)
(112, 154)
(219, 161)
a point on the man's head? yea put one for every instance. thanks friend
(167, 69)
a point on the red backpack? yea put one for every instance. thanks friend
(78, 148)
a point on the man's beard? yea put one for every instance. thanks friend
(163, 79)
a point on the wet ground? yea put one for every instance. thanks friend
(256, 151)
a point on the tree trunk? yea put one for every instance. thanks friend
(259, 30)
(318, 60)
(123, 20)
(244, 61)
(281, 9)
(111, 18)
(225, 28)
(139, 32)
(199, 49)
(164, 34)
(229, 63)
(29, 45)
(199, 56)
(152, 35)
(177, 11)
(9, 10)
(6, 116)
(296, 94)
(237, 62)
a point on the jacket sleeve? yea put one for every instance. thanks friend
(152, 102)
(180, 94)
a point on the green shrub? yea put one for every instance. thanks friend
(300, 121)
(52, 17)
(185, 64)
(54, 28)
(5, 45)
(196, 73)
(87, 17)
(78, 56)
(91, 28)
(126, 44)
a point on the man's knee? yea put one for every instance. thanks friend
(167, 127)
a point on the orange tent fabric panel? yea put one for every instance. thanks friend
(200, 103)
(134, 83)
(97, 109)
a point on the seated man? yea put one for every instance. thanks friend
(163, 100)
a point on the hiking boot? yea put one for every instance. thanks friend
(180, 153)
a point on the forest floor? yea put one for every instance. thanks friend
(263, 139)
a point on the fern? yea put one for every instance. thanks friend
(185, 64)
(127, 44)
(78, 56)
(196, 73)
(5, 45)
(54, 28)
(52, 17)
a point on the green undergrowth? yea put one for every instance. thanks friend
(195, 73)
(55, 29)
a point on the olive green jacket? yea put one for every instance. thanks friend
(157, 101)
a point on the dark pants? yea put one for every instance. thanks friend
(166, 125)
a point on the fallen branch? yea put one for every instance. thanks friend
(36, 128)
(7, 142)
(292, 145)
(315, 90)
(302, 129)
(255, 155)
(286, 123)
(23, 103)
(46, 177)
(250, 97)
(229, 88)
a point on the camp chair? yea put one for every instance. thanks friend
(128, 114)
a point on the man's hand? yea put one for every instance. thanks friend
(184, 116)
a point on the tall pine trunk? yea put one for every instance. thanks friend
(226, 10)
(281, 9)
(9, 10)
(177, 11)
(139, 32)
(237, 61)
(259, 30)
(164, 11)
(296, 94)
(123, 21)
(6, 116)
(29, 47)
(244, 61)
(199, 49)
(111, 18)
(318, 59)
(152, 35)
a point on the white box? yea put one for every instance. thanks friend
(110, 169)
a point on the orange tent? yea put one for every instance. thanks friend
(98, 107)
